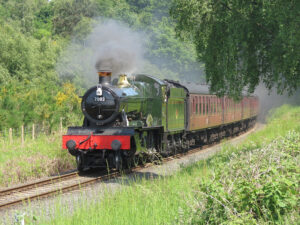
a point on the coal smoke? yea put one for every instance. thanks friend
(115, 43)
(110, 41)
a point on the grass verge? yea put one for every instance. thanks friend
(36, 158)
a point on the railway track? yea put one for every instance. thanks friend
(49, 187)
(72, 181)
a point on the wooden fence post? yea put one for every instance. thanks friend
(33, 131)
(10, 135)
(61, 125)
(22, 135)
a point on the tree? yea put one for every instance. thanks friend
(21, 12)
(68, 13)
(166, 52)
(243, 43)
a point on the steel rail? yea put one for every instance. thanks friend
(38, 183)
(54, 191)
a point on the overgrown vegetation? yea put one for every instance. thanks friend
(254, 183)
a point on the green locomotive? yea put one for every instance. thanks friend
(137, 116)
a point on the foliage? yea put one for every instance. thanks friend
(43, 22)
(260, 183)
(166, 52)
(29, 81)
(68, 13)
(243, 43)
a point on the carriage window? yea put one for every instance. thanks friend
(199, 99)
(207, 102)
(233, 106)
(210, 105)
(228, 104)
(201, 105)
(193, 106)
(204, 106)
(197, 105)
(215, 103)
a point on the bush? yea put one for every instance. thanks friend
(260, 184)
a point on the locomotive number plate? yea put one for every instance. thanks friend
(99, 99)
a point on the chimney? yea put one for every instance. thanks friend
(104, 70)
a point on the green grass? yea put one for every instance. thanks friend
(256, 182)
(36, 158)
(280, 121)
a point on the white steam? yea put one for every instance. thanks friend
(116, 43)
(109, 41)
(270, 100)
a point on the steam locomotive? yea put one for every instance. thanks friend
(130, 117)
